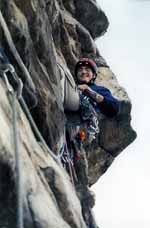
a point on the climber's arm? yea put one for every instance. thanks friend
(109, 105)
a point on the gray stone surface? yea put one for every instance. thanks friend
(45, 32)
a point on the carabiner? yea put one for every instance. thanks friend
(9, 87)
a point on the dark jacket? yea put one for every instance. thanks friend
(110, 105)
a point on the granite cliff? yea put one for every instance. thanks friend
(37, 35)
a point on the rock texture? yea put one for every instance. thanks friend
(47, 32)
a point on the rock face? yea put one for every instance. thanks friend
(46, 33)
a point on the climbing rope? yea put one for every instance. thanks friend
(14, 95)
(9, 68)
(37, 132)
(19, 186)
(68, 162)
(6, 68)
(13, 49)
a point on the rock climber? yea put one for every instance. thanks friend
(94, 99)
(101, 97)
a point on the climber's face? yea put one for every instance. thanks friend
(85, 74)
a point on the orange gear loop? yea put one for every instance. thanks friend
(82, 135)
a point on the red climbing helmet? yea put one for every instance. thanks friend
(86, 62)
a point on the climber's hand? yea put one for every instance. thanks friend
(84, 87)
(91, 93)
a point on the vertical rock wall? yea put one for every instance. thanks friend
(45, 33)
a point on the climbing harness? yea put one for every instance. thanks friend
(85, 128)
(73, 153)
